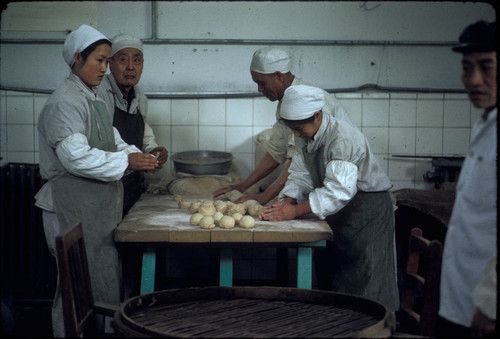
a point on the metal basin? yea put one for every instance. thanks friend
(202, 162)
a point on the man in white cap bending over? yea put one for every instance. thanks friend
(127, 106)
(270, 70)
(336, 176)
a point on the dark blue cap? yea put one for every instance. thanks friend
(477, 37)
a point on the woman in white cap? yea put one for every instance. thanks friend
(336, 176)
(127, 106)
(82, 157)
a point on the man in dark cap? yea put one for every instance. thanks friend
(468, 278)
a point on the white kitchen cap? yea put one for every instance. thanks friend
(78, 40)
(268, 60)
(122, 41)
(301, 102)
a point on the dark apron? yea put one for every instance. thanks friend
(360, 260)
(131, 128)
(97, 205)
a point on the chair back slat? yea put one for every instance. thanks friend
(74, 276)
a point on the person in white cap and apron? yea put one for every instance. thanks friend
(82, 157)
(127, 106)
(335, 175)
(270, 70)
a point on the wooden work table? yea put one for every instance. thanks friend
(156, 221)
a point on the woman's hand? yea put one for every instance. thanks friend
(161, 155)
(142, 162)
(279, 211)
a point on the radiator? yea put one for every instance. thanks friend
(28, 270)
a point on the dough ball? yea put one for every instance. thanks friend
(250, 203)
(195, 219)
(220, 206)
(207, 222)
(207, 208)
(227, 221)
(217, 217)
(247, 221)
(235, 208)
(177, 197)
(237, 216)
(255, 210)
(195, 206)
(184, 204)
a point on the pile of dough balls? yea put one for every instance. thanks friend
(224, 214)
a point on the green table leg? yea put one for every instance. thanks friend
(148, 270)
(304, 263)
(226, 267)
(304, 267)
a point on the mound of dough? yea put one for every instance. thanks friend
(207, 208)
(195, 219)
(227, 221)
(207, 222)
(247, 221)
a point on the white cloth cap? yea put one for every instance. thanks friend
(268, 60)
(122, 41)
(301, 102)
(78, 40)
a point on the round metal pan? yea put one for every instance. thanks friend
(202, 162)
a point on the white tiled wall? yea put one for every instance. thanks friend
(394, 123)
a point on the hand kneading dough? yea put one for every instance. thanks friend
(247, 221)
(195, 219)
(207, 222)
(255, 210)
(226, 221)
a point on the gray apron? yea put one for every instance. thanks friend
(98, 206)
(360, 260)
(131, 128)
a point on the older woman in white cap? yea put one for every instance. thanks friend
(127, 106)
(335, 176)
(270, 69)
(82, 157)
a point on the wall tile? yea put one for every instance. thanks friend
(378, 138)
(163, 136)
(160, 112)
(354, 109)
(212, 138)
(375, 113)
(184, 138)
(239, 112)
(457, 113)
(456, 141)
(23, 157)
(39, 102)
(264, 112)
(243, 164)
(430, 113)
(185, 112)
(402, 140)
(213, 112)
(401, 168)
(402, 113)
(20, 138)
(239, 139)
(20, 109)
(429, 141)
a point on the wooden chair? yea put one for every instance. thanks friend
(420, 298)
(79, 308)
